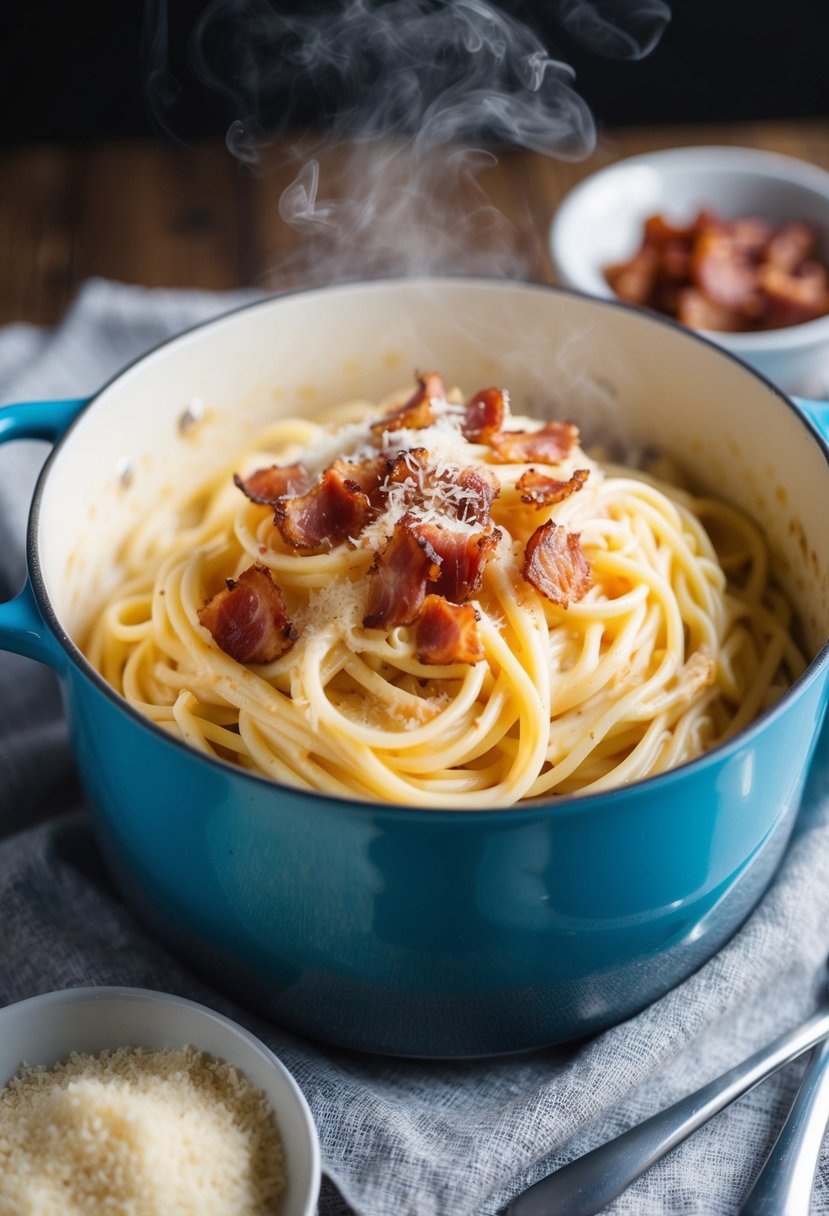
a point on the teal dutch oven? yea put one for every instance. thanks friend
(400, 929)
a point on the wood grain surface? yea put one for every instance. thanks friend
(162, 215)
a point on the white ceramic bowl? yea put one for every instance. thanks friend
(600, 222)
(45, 1029)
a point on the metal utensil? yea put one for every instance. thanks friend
(590, 1182)
(784, 1185)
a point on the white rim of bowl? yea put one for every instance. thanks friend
(63, 996)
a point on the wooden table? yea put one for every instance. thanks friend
(161, 215)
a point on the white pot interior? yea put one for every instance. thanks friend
(624, 377)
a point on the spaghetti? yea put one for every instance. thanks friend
(438, 604)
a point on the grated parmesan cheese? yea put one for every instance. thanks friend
(338, 607)
(138, 1132)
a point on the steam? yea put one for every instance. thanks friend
(415, 94)
(458, 72)
(616, 29)
(163, 90)
(397, 211)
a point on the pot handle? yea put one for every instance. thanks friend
(22, 628)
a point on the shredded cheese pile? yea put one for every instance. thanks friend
(138, 1132)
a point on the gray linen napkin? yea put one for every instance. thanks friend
(398, 1137)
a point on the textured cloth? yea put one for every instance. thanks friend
(398, 1137)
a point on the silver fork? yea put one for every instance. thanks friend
(784, 1185)
(589, 1183)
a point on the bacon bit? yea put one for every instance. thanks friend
(659, 232)
(416, 413)
(266, 486)
(398, 578)
(722, 273)
(790, 247)
(418, 554)
(335, 509)
(543, 491)
(480, 485)
(634, 280)
(368, 475)
(751, 234)
(407, 466)
(695, 309)
(485, 486)
(484, 414)
(248, 619)
(461, 556)
(549, 445)
(555, 564)
(792, 298)
(713, 274)
(447, 633)
(676, 263)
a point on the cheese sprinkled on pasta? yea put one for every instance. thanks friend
(448, 625)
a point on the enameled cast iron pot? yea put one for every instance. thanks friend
(393, 929)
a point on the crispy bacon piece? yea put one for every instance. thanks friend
(659, 232)
(733, 275)
(790, 247)
(368, 475)
(398, 578)
(416, 413)
(549, 445)
(421, 557)
(749, 233)
(407, 466)
(484, 414)
(265, 486)
(462, 557)
(543, 491)
(479, 486)
(695, 309)
(675, 266)
(723, 273)
(447, 633)
(333, 510)
(792, 298)
(482, 488)
(555, 564)
(634, 280)
(247, 619)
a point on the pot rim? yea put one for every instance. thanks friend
(516, 813)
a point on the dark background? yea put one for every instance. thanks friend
(72, 70)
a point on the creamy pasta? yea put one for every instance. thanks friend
(489, 618)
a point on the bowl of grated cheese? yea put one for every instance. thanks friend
(136, 1101)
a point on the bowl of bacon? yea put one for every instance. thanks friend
(443, 658)
(733, 242)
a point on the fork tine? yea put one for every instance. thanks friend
(784, 1185)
